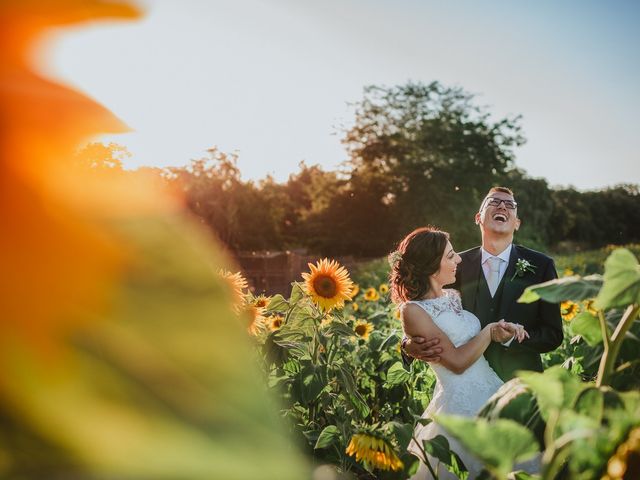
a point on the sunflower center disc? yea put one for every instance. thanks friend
(325, 286)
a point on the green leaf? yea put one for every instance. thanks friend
(296, 293)
(621, 280)
(311, 384)
(277, 304)
(438, 447)
(588, 326)
(560, 289)
(403, 433)
(353, 395)
(338, 328)
(397, 375)
(590, 402)
(327, 437)
(499, 444)
(554, 389)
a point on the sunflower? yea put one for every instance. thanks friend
(274, 322)
(397, 314)
(328, 284)
(256, 319)
(355, 289)
(625, 463)
(355, 307)
(568, 272)
(371, 295)
(374, 451)
(569, 310)
(238, 284)
(261, 301)
(383, 289)
(363, 328)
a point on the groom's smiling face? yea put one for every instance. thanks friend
(498, 214)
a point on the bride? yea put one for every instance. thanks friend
(423, 264)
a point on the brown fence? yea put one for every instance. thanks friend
(272, 272)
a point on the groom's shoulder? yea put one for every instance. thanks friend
(531, 254)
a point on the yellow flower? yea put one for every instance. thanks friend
(261, 301)
(275, 322)
(568, 272)
(255, 318)
(569, 310)
(397, 314)
(625, 463)
(355, 306)
(238, 285)
(371, 295)
(328, 284)
(355, 289)
(374, 451)
(363, 328)
(383, 289)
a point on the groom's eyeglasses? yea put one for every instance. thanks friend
(495, 202)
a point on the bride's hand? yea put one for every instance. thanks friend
(515, 329)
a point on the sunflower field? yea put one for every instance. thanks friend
(331, 351)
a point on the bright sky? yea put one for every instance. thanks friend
(271, 79)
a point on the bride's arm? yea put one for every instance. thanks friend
(417, 323)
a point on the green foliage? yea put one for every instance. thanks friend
(336, 384)
(585, 421)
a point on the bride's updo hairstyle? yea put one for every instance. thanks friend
(417, 257)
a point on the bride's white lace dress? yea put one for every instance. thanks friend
(459, 394)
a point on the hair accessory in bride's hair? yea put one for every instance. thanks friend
(394, 258)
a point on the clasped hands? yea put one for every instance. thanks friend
(428, 350)
(504, 331)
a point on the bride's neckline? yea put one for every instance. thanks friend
(444, 295)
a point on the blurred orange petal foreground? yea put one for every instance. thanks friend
(53, 263)
(157, 379)
(328, 284)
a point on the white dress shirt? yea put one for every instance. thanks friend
(503, 256)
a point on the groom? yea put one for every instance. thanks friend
(490, 279)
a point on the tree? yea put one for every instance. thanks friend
(433, 154)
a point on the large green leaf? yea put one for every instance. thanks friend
(277, 304)
(560, 289)
(438, 447)
(397, 375)
(554, 389)
(353, 395)
(588, 326)
(621, 280)
(327, 437)
(499, 444)
(515, 401)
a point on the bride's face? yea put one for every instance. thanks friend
(446, 274)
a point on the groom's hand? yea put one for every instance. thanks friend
(422, 349)
(500, 334)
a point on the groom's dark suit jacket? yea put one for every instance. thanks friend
(541, 319)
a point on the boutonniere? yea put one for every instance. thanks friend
(522, 267)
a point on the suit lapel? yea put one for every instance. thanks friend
(469, 279)
(511, 288)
